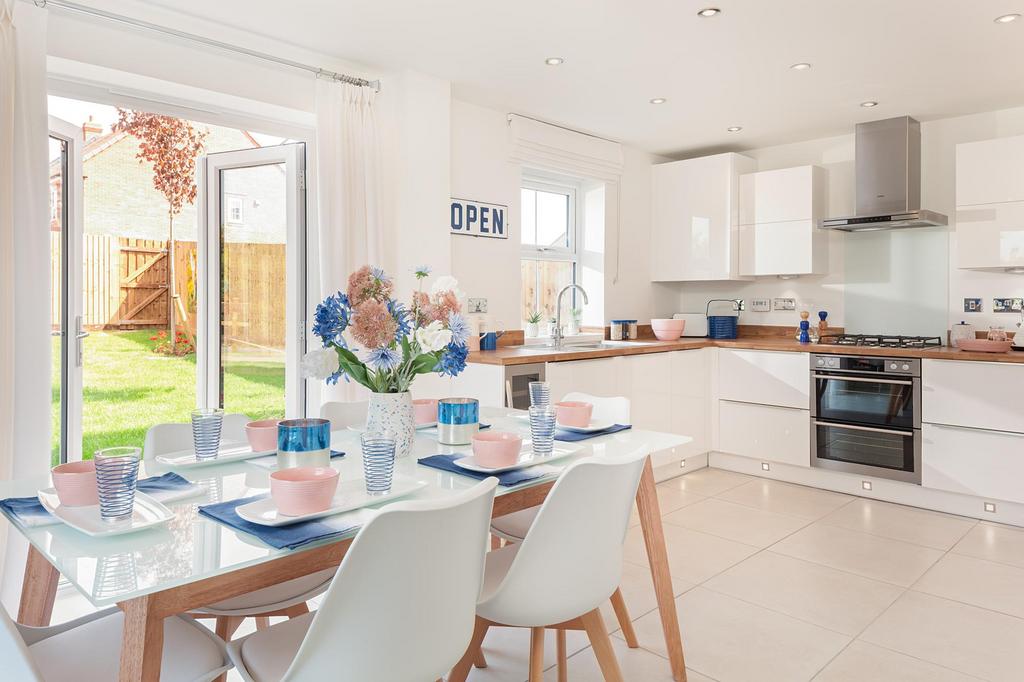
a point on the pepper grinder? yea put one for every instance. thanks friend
(805, 326)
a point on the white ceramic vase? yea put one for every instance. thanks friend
(532, 329)
(392, 412)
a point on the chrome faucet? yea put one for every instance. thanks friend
(556, 336)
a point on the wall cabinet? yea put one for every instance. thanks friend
(990, 203)
(780, 214)
(978, 395)
(695, 218)
(765, 432)
(977, 462)
(765, 377)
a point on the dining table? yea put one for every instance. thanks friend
(193, 560)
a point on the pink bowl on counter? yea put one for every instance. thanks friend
(303, 490)
(262, 435)
(668, 329)
(574, 413)
(424, 410)
(75, 483)
(985, 346)
(494, 449)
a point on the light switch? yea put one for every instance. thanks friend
(1007, 305)
(784, 304)
(760, 305)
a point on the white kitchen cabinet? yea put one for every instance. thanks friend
(695, 218)
(599, 376)
(990, 236)
(780, 214)
(990, 171)
(645, 380)
(765, 432)
(764, 377)
(987, 464)
(979, 395)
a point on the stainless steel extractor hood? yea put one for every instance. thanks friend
(888, 165)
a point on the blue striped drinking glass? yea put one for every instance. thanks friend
(540, 394)
(542, 429)
(206, 425)
(117, 474)
(378, 461)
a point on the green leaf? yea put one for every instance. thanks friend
(425, 364)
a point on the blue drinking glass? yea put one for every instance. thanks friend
(540, 394)
(303, 443)
(117, 476)
(206, 426)
(458, 419)
(378, 461)
(542, 429)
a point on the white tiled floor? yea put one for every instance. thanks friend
(778, 582)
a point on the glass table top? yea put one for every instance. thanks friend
(192, 547)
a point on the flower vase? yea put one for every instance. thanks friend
(393, 412)
(532, 330)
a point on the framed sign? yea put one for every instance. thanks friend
(478, 219)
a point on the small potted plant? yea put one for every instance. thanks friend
(533, 325)
(574, 320)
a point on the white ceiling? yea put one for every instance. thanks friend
(927, 58)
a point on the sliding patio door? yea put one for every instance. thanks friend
(251, 259)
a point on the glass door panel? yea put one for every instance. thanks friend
(58, 294)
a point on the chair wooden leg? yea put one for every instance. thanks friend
(536, 654)
(563, 659)
(480, 661)
(262, 622)
(495, 542)
(297, 610)
(622, 615)
(461, 670)
(602, 645)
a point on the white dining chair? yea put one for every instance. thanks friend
(343, 415)
(569, 563)
(284, 599)
(88, 649)
(401, 608)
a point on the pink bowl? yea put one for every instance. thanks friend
(668, 329)
(493, 449)
(262, 435)
(76, 483)
(424, 410)
(985, 346)
(574, 413)
(303, 490)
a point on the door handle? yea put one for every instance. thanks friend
(81, 335)
(871, 429)
(56, 333)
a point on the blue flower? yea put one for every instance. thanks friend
(402, 317)
(331, 319)
(453, 360)
(384, 358)
(333, 379)
(459, 329)
(422, 271)
(379, 274)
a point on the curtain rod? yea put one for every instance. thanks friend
(227, 47)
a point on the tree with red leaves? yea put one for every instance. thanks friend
(171, 145)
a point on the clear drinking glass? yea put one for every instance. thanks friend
(542, 429)
(206, 424)
(540, 393)
(378, 461)
(117, 474)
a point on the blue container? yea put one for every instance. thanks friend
(458, 419)
(722, 326)
(303, 443)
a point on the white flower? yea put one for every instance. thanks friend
(320, 363)
(446, 283)
(433, 337)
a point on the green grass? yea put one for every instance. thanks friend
(128, 388)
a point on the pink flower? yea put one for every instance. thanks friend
(422, 308)
(372, 324)
(363, 285)
(445, 302)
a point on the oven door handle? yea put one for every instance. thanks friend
(866, 380)
(864, 428)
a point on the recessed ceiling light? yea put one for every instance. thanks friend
(801, 66)
(869, 104)
(554, 61)
(709, 12)
(658, 100)
(734, 129)
(1007, 18)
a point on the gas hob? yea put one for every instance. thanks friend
(881, 341)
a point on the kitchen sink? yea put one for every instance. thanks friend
(595, 345)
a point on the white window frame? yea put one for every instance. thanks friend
(558, 185)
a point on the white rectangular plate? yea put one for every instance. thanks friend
(230, 451)
(594, 426)
(351, 494)
(146, 513)
(526, 459)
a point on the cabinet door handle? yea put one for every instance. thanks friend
(863, 428)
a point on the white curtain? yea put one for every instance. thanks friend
(24, 260)
(348, 191)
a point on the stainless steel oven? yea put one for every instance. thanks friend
(866, 415)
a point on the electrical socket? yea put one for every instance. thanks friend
(477, 305)
(760, 305)
(972, 305)
(1007, 305)
(784, 304)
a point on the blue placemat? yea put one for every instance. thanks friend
(28, 512)
(567, 436)
(507, 479)
(282, 537)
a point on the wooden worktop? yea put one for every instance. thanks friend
(522, 355)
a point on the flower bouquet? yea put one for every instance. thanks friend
(379, 342)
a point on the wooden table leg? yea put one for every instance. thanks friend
(38, 590)
(142, 641)
(657, 556)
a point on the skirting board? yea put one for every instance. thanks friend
(663, 470)
(881, 489)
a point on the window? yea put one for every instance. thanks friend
(234, 210)
(549, 246)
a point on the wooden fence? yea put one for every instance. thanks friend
(125, 286)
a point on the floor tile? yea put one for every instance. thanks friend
(833, 599)
(636, 664)
(785, 498)
(897, 522)
(706, 481)
(670, 498)
(638, 593)
(954, 635)
(736, 522)
(871, 556)
(731, 640)
(863, 662)
(693, 557)
(999, 587)
(994, 542)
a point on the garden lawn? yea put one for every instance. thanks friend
(128, 388)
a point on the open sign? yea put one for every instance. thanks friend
(478, 219)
